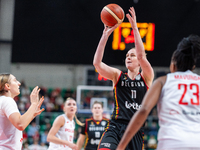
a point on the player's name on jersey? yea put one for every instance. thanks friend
(96, 128)
(132, 84)
(69, 130)
(187, 77)
(190, 112)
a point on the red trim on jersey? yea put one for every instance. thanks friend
(144, 82)
(115, 95)
(101, 140)
(117, 105)
(86, 133)
(86, 141)
(117, 80)
(104, 149)
(96, 120)
(86, 125)
(103, 134)
(103, 118)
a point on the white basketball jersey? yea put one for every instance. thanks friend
(179, 111)
(65, 133)
(10, 137)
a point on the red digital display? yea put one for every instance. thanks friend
(123, 37)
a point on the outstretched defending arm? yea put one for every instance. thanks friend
(22, 121)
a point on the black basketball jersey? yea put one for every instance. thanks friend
(93, 130)
(128, 95)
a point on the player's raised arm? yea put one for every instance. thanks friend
(105, 70)
(147, 70)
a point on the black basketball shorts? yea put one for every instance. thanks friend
(112, 136)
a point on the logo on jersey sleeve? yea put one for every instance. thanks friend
(103, 123)
(173, 112)
(138, 77)
(1, 113)
(106, 145)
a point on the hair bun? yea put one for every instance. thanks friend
(187, 53)
(190, 46)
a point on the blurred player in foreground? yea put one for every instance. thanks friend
(177, 98)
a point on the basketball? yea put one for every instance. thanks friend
(112, 14)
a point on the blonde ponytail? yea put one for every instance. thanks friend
(78, 122)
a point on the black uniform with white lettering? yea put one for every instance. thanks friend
(93, 130)
(128, 95)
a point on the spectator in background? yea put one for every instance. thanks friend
(43, 146)
(153, 128)
(48, 126)
(36, 136)
(54, 94)
(58, 103)
(68, 93)
(87, 99)
(25, 136)
(25, 91)
(32, 132)
(46, 98)
(34, 146)
(25, 146)
(44, 137)
(32, 129)
(27, 105)
(152, 143)
(21, 107)
(50, 107)
(153, 115)
(24, 98)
